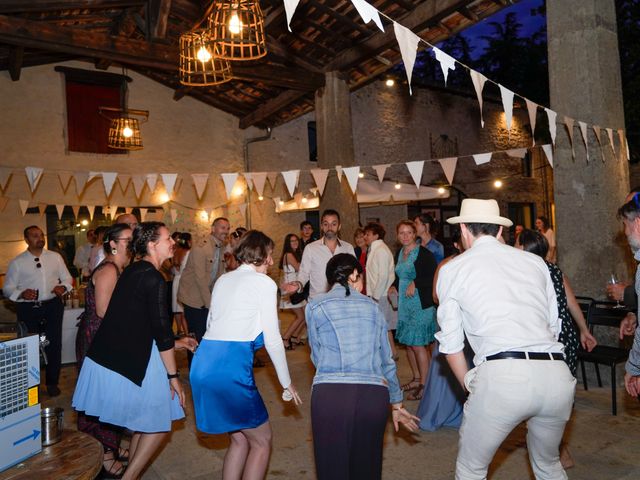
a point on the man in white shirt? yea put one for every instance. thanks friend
(380, 274)
(36, 280)
(81, 259)
(317, 254)
(504, 301)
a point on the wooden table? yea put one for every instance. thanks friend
(77, 456)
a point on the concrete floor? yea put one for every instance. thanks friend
(603, 446)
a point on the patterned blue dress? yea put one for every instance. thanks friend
(416, 326)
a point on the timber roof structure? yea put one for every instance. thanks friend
(143, 36)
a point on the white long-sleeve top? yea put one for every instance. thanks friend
(380, 269)
(24, 273)
(313, 266)
(81, 260)
(243, 305)
(501, 297)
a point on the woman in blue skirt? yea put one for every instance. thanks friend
(243, 318)
(129, 376)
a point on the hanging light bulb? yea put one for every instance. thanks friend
(441, 190)
(398, 186)
(235, 24)
(497, 184)
(260, 198)
(203, 54)
(361, 175)
(127, 132)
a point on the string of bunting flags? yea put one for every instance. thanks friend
(408, 44)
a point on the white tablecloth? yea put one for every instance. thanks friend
(69, 331)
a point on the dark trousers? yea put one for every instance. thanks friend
(197, 323)
(348, 423)
(47, 319)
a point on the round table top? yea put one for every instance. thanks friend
(76, 456)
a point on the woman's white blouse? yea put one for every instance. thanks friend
(243, 305)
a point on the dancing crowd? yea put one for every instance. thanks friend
(485, 325)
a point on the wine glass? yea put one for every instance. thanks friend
(612, 281)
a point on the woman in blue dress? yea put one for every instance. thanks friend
(415, 268)
(242, 319)
(129, 376)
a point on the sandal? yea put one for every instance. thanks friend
(296, 341)
(123, 455)
(112, 471)
(411, 385)
(417, 393)
(287, 343)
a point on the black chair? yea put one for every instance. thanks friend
(604, 315)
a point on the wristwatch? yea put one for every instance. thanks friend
(173, 375)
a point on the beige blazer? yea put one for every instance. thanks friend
(195, 283)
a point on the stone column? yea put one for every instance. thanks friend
(584, 81)
(335, 147)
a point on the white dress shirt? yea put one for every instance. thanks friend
(501, 297)
(81, 260)
(23, 273)
(96, 256)
(243, 305)
(313, 266)
(380, 269)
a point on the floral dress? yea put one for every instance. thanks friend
(568, 332)
(416, 326)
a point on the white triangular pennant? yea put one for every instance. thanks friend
(339, 173)
(243, 209)
(5, 174)
(34, 174)
(352, 177)
(138, 184)
(229, 180)
(408, 43)
(24, 204)
(258, 179)
(446, 63)
(3, 203)
(76, 211)
(548, 151)
(42, 208)
(152, 179)
(381, 170)
(143, 214)
(60, 210)
(128, 210)
(449, 167)
(247, 179)
(415, 169)
(320, 177)
(291, 180)
(169, 180)
(598, 132)
(65, 180)
(610, 135)
(93, 175)
(507, 104)
(123, 180)
(621, 139)
(200, 183)
(272, 177)
(481, 158)
(478, 83)
(113, 211)
(626, 147)
(81, 181)
(569, 123)
(174, 215)
(368, 13)
(517, 152)
(532, 108)
(290, 8)
(92, 209)
(551, 115)
(585, 137)
(109, 178)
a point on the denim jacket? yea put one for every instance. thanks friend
(349, 343)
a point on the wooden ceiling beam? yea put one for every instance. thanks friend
(40, 35)
(20, 6)
(295, 78)
(424, 15)
(281, 51)
(157, 18)
(339, 17)
(16, 57)
(271, 107)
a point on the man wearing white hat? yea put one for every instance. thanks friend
(503, 300)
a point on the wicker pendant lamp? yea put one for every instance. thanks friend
(124, 131)
(237, 28)
(200, 62)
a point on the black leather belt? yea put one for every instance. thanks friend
(527, 355)
(43, 302)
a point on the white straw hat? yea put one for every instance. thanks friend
(474, 210)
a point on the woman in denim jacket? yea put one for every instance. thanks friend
(355, 377)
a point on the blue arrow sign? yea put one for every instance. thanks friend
(31, 436)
